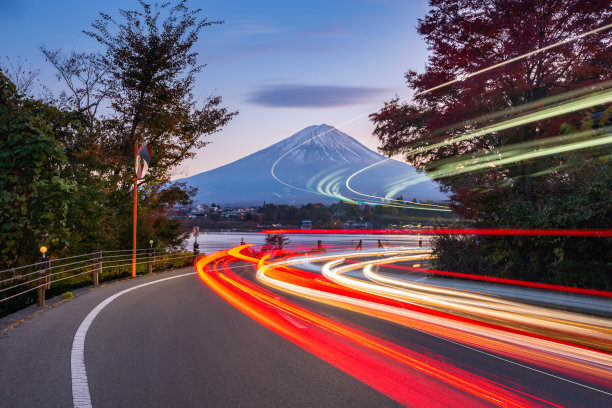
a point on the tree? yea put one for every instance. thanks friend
(151, 72)
(138, 90)
(21, 77)
(467, 36)
(84, 74)
(34, 195)
(275, 242)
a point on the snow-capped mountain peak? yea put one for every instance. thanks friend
(322, 142)
(313, 165)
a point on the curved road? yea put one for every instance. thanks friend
(177, 343)
(172, 344)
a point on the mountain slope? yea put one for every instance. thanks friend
(313, 165)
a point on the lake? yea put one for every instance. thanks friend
(216, 241)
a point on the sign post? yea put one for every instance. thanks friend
(196, 232)
(196, 246)
(143, 160)
(135, 212)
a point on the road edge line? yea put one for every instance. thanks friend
(81, 397)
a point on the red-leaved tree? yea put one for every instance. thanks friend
(467, 36)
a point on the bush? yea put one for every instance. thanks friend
(570, 261)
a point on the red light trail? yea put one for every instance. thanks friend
(404, 375)
(551, 232)
(393, 370)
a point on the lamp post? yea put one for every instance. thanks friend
(151, 256)
(43, 276)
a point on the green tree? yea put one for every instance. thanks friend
(151, 69)
(580, 198)
(144, 81)
(34, 195)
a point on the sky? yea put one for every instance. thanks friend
(284, 65)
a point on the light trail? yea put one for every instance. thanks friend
(544, 232)
(516, 153)
(393, 370)
(594, 99)
(520, 57)
(513, 153)
(420, 206)
(550, 354)
(272, 169)
(505, 281)
(329, 185)
(592, 331)
(545, 352)
(555, 100)
(333, 191)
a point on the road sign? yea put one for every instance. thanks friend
(196, 231)
(143, 160)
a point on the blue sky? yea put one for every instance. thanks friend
(284, 65)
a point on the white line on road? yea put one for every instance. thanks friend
(80, 388)
(289, 318)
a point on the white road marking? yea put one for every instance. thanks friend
(80, 387)
(289, 318)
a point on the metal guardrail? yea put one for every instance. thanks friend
(17, 285)
(80, 270)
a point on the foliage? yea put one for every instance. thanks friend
(67, 295)
(151, 69)
(275, 242)
(34, 195)
(67, 164)
(583, 199)
(565, 190)
(573, 261)
(469, 36)
(284, 214)
(139, 90)
(333, 216)
(21, 76)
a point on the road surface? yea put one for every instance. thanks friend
(177, 343)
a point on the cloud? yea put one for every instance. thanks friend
(313, 96)
(254, 29)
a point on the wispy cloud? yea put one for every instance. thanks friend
(254, 29)
(312, 96)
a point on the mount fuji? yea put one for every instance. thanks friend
(313, 166)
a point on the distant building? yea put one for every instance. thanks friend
(357, 224)
(306, 225)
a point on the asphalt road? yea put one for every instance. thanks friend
(178, 344)
(174, 344)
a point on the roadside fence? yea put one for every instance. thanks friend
(25, 285)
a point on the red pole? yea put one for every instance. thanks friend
(135, 214)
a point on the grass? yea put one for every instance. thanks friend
(67, 295)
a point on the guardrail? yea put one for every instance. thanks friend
(29, 284)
